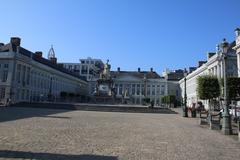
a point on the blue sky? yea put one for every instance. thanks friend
(130, 33)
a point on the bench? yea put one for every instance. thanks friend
(203, 117)
(215, 121)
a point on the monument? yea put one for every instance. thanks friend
(104, 91)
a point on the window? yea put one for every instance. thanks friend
(120, 89)
(23, 94)
(138, 89)
(28, 75)
(116, 88)
(23, 75)
(27, 94)
(143, 89)
(148, 89)
(75, 67)
(162, 91)
(5, 76)
(133, 89)
(2, 93)
(158, 89)
(18, 73)
(6, 65)
(153, 89)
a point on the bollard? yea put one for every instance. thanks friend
(239, 130)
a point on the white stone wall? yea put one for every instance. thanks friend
(155, 89)
(214, 66)
(29, 80)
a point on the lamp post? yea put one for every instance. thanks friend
(226, 125)
(185, 110)
(145, 86)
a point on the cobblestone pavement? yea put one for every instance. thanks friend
(45, 134)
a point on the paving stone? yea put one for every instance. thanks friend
(28, 133)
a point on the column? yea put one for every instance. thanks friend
(218, 71)
(238, 63)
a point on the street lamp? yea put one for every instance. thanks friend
(185, 109)
(226, 126)
(145, 88)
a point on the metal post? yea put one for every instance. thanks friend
(185, 110)
(226, 126)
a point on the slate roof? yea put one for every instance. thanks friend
(141, 74)
(41, 60)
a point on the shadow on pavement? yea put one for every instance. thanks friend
(15, 113)
(51, 156)
(96, 107)
(47, 110)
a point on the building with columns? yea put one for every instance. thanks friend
(213, 66)
(134, 86)
(237, 48)
(28, 77)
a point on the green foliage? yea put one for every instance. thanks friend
(168, 99)
(233, 87)
(63, 94)
(208, 87)
(71, 95)
(146, 100)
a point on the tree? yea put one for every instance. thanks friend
(63, 95)
(208, 88)
(169, 100)
(233, 85)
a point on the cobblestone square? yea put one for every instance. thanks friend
(49, 134)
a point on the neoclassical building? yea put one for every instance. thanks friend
(26, 76)
(237, 48)
(134, 86)
(213, 66)
(139, 84)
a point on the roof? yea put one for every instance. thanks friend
(41, 60)
(141, 74)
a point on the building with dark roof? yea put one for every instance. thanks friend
(132, 87)
(213, 66)
(27, 76)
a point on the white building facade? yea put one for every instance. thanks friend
(135, 86)
(213, 66)
(237, 49)
(89, 68)
(28, 77)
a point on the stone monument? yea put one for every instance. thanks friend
(104, 91)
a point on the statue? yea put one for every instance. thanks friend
(106, 72)
(105, 84)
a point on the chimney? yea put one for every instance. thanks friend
(15, 41)
(191, 69)
(151, 69)
(139, 69)
(210, 54)
(118, 69)
(38, 54)
(53, 60)
(200, 63)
